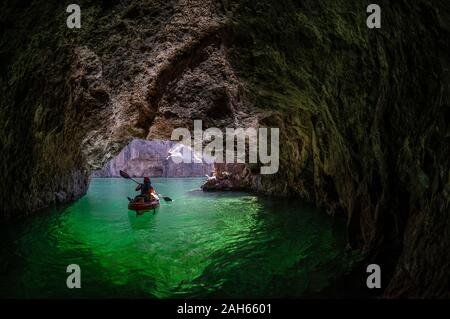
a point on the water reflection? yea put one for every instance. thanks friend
(199, 245)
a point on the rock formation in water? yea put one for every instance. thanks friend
(363, 114)
(156, 159)
(230, 177)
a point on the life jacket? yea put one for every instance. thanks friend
(145, 188)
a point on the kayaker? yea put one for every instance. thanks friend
(147, 190)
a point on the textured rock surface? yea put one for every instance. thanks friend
(364, 118)
(155, 159)
(363, 114)
(226, 177)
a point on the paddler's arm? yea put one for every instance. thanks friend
(138, 187)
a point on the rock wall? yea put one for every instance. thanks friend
(155, 159)
(364, 118)
(363, 114)
(230, 177)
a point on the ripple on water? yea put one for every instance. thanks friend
(201, 244)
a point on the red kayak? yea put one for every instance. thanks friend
(141, 205)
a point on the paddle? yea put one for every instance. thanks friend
(166, 198)
(125, 175)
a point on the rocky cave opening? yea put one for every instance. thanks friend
(169, 158)
(156, 158)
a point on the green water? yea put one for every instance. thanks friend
(199, 245)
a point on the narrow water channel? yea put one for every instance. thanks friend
(199, 245)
